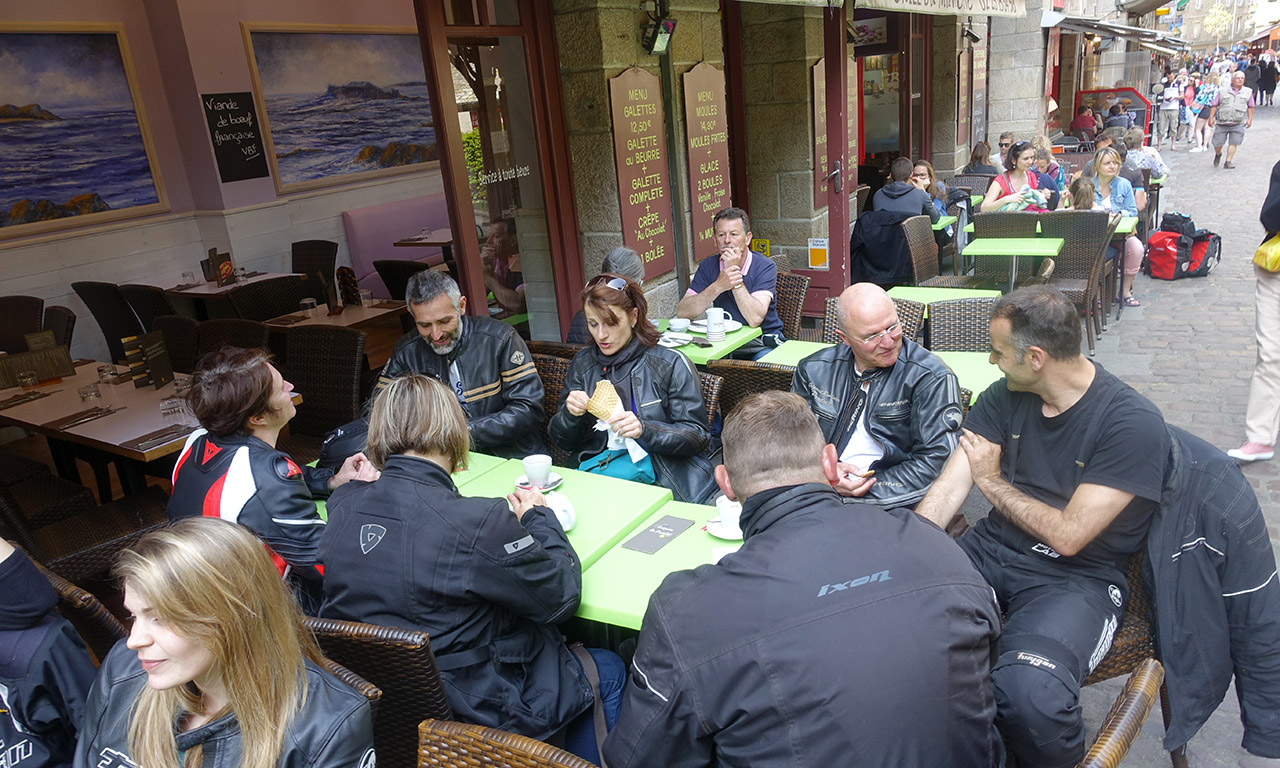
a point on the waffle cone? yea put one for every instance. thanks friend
(604, 401)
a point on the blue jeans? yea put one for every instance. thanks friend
(580, 735)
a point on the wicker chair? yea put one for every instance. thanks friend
(398, 661)
(711, 387)
(553, 370)
(395, 274)
(97, 626)
(976, 183)
(744, 377)
(448, 745)
(1044, 273)
(62, 322)
(860, 196)
(15, 469)
(310, 257)
(278, 296)
(22, 315)
(792, 289)
(181, 339)
(1078, 270)
(910, 314)
(1124, 722)
(148, 302)
(555, 348)
(1003, 224)
(961, 325)
(115, 317)
(230, 332)
(918, 231)
(325, 363)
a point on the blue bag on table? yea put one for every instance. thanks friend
(617, 463)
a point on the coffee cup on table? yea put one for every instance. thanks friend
(716, 318)
(537, 470)
(730, 515)
(678, 324)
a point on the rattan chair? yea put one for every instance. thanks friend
(910, 315)
(22, 315)
(395, 274)
(181, 340)
(1079, 268)
(310, 257)
(62, 322)
(114, 315)
(976, 183)
(744, 377)
(326, 363)
(860, 196)
(553, 370)
(449, 745)
(267, 299)
(1003, 224)
(1124, 722)
(15, 469)
(711, 387)
(96, 625)
(148, 302)
(792, 289)
(918, 231)
(1044, 273)
(961, 325)
(555, 348)
(230, 332)
(400, 663)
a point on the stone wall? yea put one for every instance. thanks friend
(1015, 91)
(949, 155)
(597, 41)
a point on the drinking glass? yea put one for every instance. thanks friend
(28, 380)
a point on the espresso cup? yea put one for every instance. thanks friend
(730, 514)
(678, 324)
(537, 469)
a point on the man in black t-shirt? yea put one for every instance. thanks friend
(1072, 461)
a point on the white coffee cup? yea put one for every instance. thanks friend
(716, 318)
(537, 469)
(730, 515)
(563, 508)
(678, 324)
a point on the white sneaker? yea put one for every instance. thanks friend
(1252, 452)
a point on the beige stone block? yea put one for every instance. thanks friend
(795, 195)
(790, 233)
(594, 247)
(586, 98)
(573, 6)
(686, 43)
(595, 182)
(757, 83)
(774, 41)
(620, 37)
(779, 138)
(663, 294)
(578, 39)
(791, 81)
(712, 39)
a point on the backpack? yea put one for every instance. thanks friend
(1177, 222)
(1173, 256)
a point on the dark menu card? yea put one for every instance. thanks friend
(706, 128)
(148, 360)
(640, 151)
(234, 133)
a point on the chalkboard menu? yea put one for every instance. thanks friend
(820, 169)
(233, 130)
(707, 134)
(640, 151)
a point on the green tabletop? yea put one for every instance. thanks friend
(701, 355)
(477, 464)
(1159, 180)
(1014, 246)
(607, 509)
(616, 589)
(976, 200)
(523, 317)
(792, 352)
(973, 369)
(1126, 226)
(927, 295)
(943, 222)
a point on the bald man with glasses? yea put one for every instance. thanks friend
(890, 407)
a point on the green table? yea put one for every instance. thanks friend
(616, 589)
(1126, 226)
(1013, 247)
(607, 508)
(792, 352)
(478, 464)
(702, 355)
(927, 295)
(943, 222)
(973, 369)
(976, 200)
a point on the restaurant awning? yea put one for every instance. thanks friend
(1140, 35)
(1013, 8)
(1142, 7)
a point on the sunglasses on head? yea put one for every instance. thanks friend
(616, 283)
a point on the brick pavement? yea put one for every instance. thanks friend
(1190, 349)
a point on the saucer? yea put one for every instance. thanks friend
(553, 482)
(672, 339)
(700, 326)
(721, 531)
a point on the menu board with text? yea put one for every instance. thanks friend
(640, 151)
(820, 169)
(707, 135)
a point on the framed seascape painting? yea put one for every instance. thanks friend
(340, 104)
(74, 141)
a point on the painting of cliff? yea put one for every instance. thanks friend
(73, 134)
(340, 104)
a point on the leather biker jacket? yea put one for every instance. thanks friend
(667, 398)
(913, 412)
(501, 391)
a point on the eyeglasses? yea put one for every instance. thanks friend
(1004, 145)
(894, 330)
(616, 283)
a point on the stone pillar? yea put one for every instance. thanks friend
(779, 48)
(949, 153)
(1015, 94)
(598, 40)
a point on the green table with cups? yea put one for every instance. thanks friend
(606, 508)
(617, 587)
(718, 349)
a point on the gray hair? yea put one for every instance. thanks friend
(624, 262)
(428, 284)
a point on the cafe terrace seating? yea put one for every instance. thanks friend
(960, 325)
(181, 340)
(147, 302)
(395, 275)
(96, 625)
(910, 314)
(28, 314)
(1080, 268)
(451, 744)
(263, 300)
(326, 364)
(114, 315)
(314, 258)
(923, 249)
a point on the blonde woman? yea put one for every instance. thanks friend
(217, 669)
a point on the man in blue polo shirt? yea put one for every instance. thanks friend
(741, 282)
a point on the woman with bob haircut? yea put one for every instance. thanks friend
(661, 394)
(218, 669)
(487, 579)
(230, 467)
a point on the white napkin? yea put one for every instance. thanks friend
(615, 442)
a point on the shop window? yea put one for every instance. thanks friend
(880, 104)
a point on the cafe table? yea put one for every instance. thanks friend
(438, 238)
(208, 289)
(1127, 225)
(791, 352)
(718, 349)
(477, 465)
(607, 509)
(976, 200)
(943, 222)
(926, 295)
(1013, 248)
(380, 322)
(617, 587)
(973, 369)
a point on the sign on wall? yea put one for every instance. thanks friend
(820, 159)
(707, 137)
(979, 128)
(234, 133)
(964, 84)
(640, 152)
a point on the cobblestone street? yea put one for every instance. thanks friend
(1190, 348)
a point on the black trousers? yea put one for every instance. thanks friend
(1057, 628)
